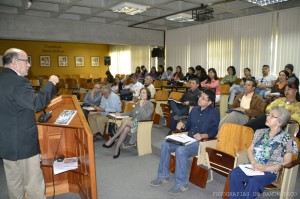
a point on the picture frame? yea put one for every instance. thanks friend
(62, 61)
(95, 61)
(45, 61)
(79, 61)
(29, 59)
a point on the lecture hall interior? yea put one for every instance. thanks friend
(80, 40)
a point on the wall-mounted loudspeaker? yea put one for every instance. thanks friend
(158, 52)
(107, 61)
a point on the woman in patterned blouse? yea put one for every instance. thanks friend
(271, 148)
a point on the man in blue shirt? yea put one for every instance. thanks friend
(202, 123)
(110, 103)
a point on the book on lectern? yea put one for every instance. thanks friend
(65, 117)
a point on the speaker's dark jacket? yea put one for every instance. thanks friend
(18, 104)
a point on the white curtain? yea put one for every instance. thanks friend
(124, 59)
(288, 47)
(220, 46)
(252, 41)
(257, 39)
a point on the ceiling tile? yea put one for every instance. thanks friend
(37, 13)
(9, 10)
(79, 10)
(96, 19)
(179, 5)
(69, 16)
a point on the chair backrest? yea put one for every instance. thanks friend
(123, 105)
(71, 83)
(83, 82)
(238, 81)
(161, 95)
(233, 138)
(224, 88)
(157, 84)
(82, 97)
(175, 95)
(153, 114)
(129, 106)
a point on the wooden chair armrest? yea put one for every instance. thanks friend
(145, 121)
(179, 131)
(210, 142)
(291, 164)
(208, 139)
(241, 157)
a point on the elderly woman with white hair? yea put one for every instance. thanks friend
(271, 148)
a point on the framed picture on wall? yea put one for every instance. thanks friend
(29, 60)
(63, 61)
(79, 61)
(45, 61)
(95, 61)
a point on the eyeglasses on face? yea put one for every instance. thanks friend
(25, 60)
(271, 115)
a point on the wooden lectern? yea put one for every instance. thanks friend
(73, 140)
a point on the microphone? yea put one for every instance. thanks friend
(44, 117)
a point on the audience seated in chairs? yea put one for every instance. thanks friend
(144, 72)
(271, 149)
(142, 111)
(292, 77)
(153, 73)
(148, 84)
(265, 82)
(231, 77)
(213, 83)
(279, 87)
(245, 106)
(109, 77)
(91, 99)
(117, 85)
(160, 72)
(190, 74)
(189, 98)
(167, 75)
(134, 86)
(202, 123)
(237, 89)
(201, 73)
(178, 75)
(291, 102)
(110, 102)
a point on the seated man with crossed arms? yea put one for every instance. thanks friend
(202, 123)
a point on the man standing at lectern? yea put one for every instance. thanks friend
(19, 144)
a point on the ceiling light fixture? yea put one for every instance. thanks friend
(181, 17)
(265, 2)
(129, 8)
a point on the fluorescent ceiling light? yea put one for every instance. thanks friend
(266, 2)
(129, 8)
(181, 17)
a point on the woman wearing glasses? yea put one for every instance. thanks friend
(271, 148)
(289, 102)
